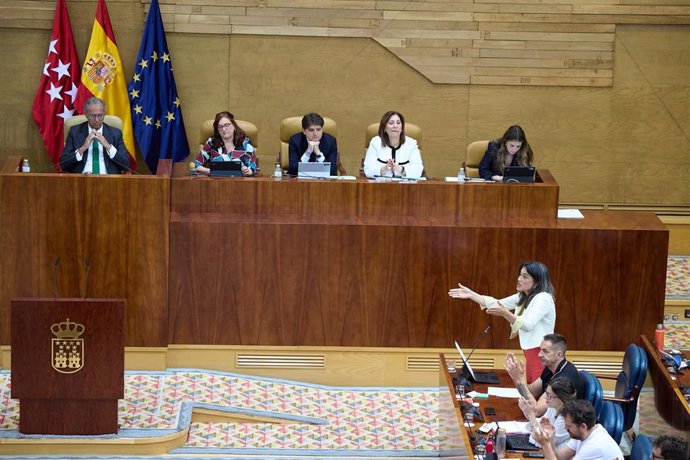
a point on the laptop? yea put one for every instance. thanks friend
(314, 170)
(471, 374)
(520, 442)
(519, 174)
(225, 168)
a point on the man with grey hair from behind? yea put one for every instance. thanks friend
(94, 147)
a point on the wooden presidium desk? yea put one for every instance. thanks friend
(364, 263)
(255, 261)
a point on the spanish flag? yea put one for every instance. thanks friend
(103, 76)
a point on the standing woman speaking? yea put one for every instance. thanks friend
(531, 311)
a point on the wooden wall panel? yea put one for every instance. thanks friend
(405, 20)
(633, 116)
(118, 223)
(374, 285)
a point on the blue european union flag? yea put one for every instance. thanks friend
(156, 111)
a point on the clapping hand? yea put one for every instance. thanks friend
(528, 407)
(514, 367)
(545, 433)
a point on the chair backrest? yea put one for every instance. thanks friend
(611, 418)
(473, 156)
(630, 381)
(293, 125)
(412, 130)
(249, 128)
(110, 120)
(593, 391)
(641, 448)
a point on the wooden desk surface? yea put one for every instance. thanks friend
(668, 399)
(362, 201)
(260, 262)
(507, 409)
(362, 263)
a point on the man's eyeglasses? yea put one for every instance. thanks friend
(96, 116)
(652, 456)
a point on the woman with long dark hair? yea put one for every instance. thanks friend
(531, 311)
(510, 150)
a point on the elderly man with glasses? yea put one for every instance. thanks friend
(94, 147)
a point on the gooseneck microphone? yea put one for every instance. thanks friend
(87, 265)
(464, 373)
(56, 264)
(488, 328)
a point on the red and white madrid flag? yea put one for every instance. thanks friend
(57, 90)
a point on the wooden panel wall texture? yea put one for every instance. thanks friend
(600, 86)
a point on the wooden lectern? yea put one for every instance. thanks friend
(68, 364)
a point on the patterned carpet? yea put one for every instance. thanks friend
(678, 278)
(315, 419)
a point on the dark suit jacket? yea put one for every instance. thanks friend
(298, 145)
(75, 139)
(489, 166)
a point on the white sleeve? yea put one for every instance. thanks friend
(541, 305)
(415, 167)
(511, 302)
(372, 167)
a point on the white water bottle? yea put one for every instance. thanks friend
(461, 175)
(25, 166)
(278, 173)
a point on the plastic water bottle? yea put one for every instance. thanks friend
(192, 169)
(25, 166)
(461, 175)
(501, 443)
(278, 173)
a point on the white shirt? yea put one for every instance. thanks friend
(537, 320)
(408, 153)
(88, 167)
(598, 446)
(561, 435)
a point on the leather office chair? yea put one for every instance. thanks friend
(611, 418)
(642, 448)
(411, 130)
(593, 391)
(250, 129)
(473, 156)
(110, 120)
(629, 383)
(293, 125)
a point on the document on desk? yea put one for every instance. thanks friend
(515, 427)
(504, 392)
(570, 214)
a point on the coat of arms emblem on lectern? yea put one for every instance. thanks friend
(67, 348)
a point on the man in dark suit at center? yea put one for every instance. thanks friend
(312, 145)
(94, 147)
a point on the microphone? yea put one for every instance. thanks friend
(464, 374)
(87, 265)
(133, 171)
(488, 328)
(56, 264)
